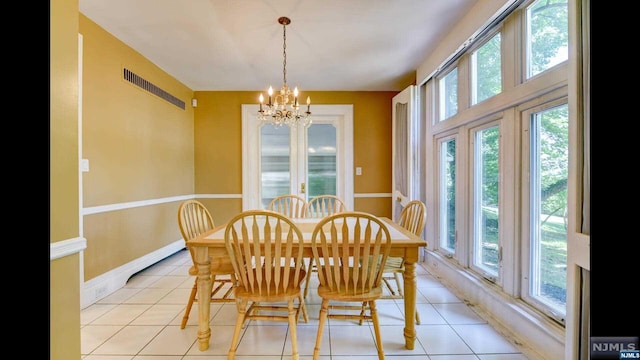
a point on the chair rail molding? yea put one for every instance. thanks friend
(67, 247)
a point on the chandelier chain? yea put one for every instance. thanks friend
(284, 53)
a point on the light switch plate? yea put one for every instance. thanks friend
(358, 170)
(84, 165)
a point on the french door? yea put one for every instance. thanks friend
(307, 161)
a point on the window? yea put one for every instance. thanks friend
(547, 33)
(545, 277)
(448, 92)
(486, 176)
(448, 195)
(496, 174)
(486, 70)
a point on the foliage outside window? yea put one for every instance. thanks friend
(448, 90)
(448, 196)
(548, 196)
(486, 70)
(486, 206)
(547, 35)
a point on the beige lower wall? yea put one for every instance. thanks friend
(115, 238)
(64, 308)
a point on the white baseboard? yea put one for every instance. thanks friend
(111, 281)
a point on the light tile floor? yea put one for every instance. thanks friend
(142, 321)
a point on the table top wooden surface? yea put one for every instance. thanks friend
(400, 237)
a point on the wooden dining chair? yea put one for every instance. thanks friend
(350, 250)
(291, 205)
(412, 218)
(194, 219)
(324, 205)
(265, 249)
(319, 207)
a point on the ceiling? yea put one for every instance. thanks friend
(237, 45)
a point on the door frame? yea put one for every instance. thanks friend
(340, 115)
(398, 199)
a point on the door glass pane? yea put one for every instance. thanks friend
(321, 160)
(550, 160)
(486, 210)
(275, 162)
(448, 196)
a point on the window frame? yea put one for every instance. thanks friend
(442, 203)
(491, 122)
(526, 190)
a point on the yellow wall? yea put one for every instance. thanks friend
(64, 308)
(139, 147)
(64, 294)
(218, 146)
(64, 120)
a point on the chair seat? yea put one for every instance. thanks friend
(394, 264)
(219, 266)
(269, 289)
(350, 294)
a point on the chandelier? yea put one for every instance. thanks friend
(283, 107)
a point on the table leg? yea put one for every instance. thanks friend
(409, 276)
(203, 264)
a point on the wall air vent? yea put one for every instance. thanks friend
(145, 85)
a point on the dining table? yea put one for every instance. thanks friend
(404, 244)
